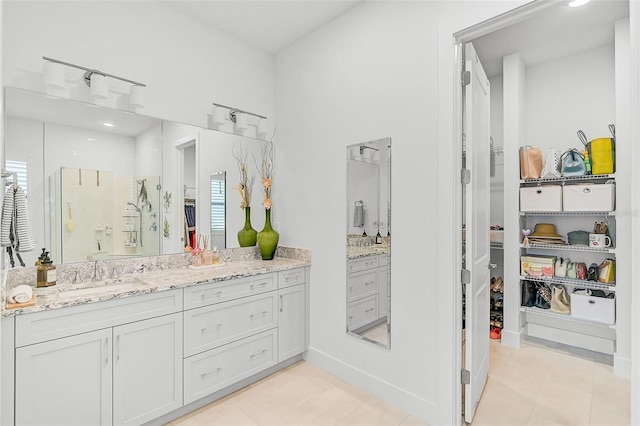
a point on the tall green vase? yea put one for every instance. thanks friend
(268, 238)
(247, 236)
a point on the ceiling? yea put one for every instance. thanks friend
(273, 25)
(268, 25)
(555, 32)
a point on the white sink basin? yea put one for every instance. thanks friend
(107, 288)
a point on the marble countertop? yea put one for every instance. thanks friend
(355, 252)
(66, 294)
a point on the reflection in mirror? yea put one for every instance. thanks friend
(110, 183)
(218, 208)
(369, 241)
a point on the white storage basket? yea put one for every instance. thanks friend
(593, 308)
(547, 198)
(589, 197)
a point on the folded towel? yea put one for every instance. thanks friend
(20, 294)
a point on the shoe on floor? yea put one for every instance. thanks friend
(495, 333)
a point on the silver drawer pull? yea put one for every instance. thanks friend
(216, 371)
(294, 277)
(262, 352)
(369, 310)
(252, 286)
(205, 329)
(264, 313)
(218, 293)
(368, 283)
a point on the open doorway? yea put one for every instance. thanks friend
(539, 81)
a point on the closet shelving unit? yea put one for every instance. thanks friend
(565, 328)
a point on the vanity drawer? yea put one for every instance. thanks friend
(212, 326)
(291, 277)
(216, 369)
(222, 291)
(361, 264)
(383, 260)
(362, 284)
(57, 323)
(362, 312)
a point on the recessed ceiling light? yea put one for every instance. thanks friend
(107, 124)
(578, 3)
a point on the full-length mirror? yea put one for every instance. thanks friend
(107, 184)
(368, 280)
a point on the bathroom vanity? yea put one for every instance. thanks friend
(151, 346)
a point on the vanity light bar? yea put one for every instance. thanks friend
(90, 71)
(234, 110)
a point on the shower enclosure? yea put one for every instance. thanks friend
(94, 213)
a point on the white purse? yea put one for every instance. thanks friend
(551, 163)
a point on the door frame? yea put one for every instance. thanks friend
(450, 42)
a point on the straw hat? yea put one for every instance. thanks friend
(546, 230)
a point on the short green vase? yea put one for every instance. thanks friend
(247, 236)
(268, 238)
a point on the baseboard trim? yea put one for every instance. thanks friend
(512, 338)
(622, 366)
(406, 401)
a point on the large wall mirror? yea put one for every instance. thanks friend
(369, 241)
(106, 183)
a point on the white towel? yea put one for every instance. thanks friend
(21, 294)
(15, 227)
(358, 214)
(24, 237)
(7, 218)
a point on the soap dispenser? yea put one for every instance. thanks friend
(46, 272)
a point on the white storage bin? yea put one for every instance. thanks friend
(593, 308)
(496, 236)
(589, 197)
(547, 198)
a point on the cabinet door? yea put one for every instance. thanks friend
(147, 369)
(291, 322)
(65, 381)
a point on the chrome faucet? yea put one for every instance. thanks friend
(97, 273)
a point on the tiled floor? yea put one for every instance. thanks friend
(299, 395)
(538, 387)
(526, 386)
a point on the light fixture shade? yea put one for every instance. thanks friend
(219, 115)
(262, 126)
(136, 96)
(241, 120)
(99, 86)
(53, 75)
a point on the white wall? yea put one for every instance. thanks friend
(185, 65)
(373, 73)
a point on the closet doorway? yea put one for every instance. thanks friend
(189, 193)
(525, 55)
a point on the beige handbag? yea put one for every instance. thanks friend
(530, 162)
(560, 301)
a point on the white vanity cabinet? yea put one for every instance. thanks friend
(367, 290)
(240, 328)
(292, 312)
(119, 372)
(147, 369)
(142, 359)
(65, 381)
